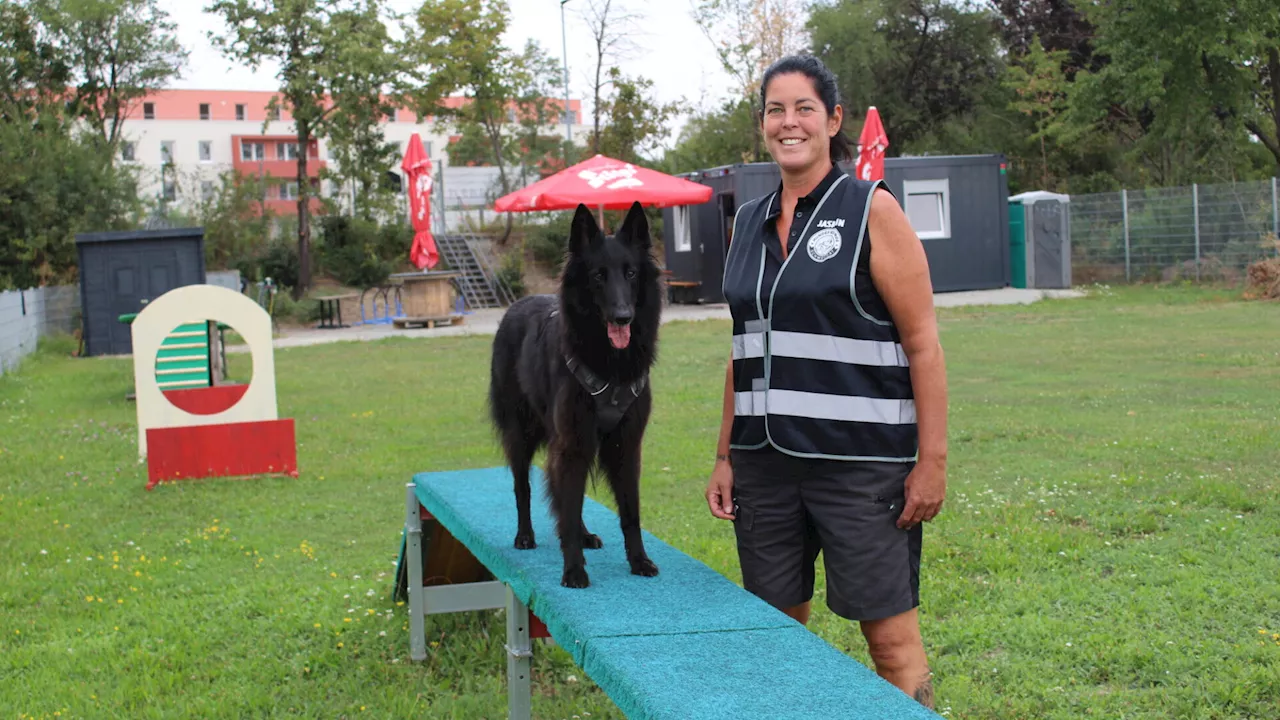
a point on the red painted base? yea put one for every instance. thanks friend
(207, 400)
(537, 629)
(251, 448)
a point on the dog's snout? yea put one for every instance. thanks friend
(622, 317)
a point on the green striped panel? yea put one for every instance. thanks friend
(183, 359)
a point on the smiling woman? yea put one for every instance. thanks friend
(833, 429)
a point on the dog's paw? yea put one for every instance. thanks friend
(525, 541)
(591, 541)
(643, 566)
(575, 577)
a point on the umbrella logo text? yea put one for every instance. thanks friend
(618, 178)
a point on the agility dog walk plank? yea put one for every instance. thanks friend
(686, 644)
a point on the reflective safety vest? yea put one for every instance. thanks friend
(818, 365)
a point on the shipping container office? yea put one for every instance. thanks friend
(958, 206)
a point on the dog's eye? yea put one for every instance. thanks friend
(631, 273)
(599, 275)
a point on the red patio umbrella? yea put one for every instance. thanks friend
(604, 183)
(417, 171)
(871, 146)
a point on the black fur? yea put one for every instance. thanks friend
(535, 401)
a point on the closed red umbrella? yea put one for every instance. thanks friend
(602, 182)
(417, 171)
(871, 146)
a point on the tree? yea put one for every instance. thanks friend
(313, 41)
(921, 63)
(748, 35)
(723, 136)
(636, 120)
(611, 26)
(359, 76)
(1053, 25)
(1040, 90)
(1209, 74)
(117, 51)
(236, 222)
(56, 182)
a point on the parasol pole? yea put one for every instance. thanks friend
(600, 216)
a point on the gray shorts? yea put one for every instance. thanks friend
(790, 509)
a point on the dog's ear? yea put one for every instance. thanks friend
(635, 227)
(583, 231)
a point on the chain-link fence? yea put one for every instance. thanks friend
(1202, 232)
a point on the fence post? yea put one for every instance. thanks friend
(1275, 212)
(1124, 211)
(1195, 204)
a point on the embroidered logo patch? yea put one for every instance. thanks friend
(824, 245)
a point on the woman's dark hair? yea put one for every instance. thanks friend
(824, 83)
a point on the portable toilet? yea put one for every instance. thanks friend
(1040, 240)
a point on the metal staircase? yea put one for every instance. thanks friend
(478, 282)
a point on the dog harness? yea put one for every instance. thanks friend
(610, 405)
(612, 400)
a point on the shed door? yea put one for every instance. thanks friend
(132, 277)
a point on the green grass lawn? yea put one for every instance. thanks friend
(1110, 546)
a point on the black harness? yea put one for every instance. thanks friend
(612, 400)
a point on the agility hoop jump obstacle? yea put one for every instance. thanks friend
(220, 430)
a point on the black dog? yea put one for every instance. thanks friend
(571, 373)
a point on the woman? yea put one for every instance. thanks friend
(833, 436)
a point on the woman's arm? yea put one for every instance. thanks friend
(900, 272)
(720, 486)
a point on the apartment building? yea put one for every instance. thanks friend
(199, 135)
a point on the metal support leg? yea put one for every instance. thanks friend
(519, 654)
(413, 557)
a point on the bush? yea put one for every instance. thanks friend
(511, 272)
(280, 263)
(548, 243)
(352, 250)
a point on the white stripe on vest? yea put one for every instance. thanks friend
(819, 406)
(809, 346)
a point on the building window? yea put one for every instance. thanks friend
(680, 229)
(148, 111)
(289, 191)
(287, 151)
(170, 189)
(273, 113)
(391, 116)
(206, 151)
(127, 151)
(427, 147)
(206, 190)
(204, 111)
(928, 207)
(240, 114)
(166, 152)
(253, 151)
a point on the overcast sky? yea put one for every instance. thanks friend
(668, 49)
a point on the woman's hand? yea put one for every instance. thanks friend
(720, 490)
(926, 489)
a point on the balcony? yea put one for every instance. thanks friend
(270, 163)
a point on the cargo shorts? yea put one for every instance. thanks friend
(789, 510)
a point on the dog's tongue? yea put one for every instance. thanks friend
(619, 335)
